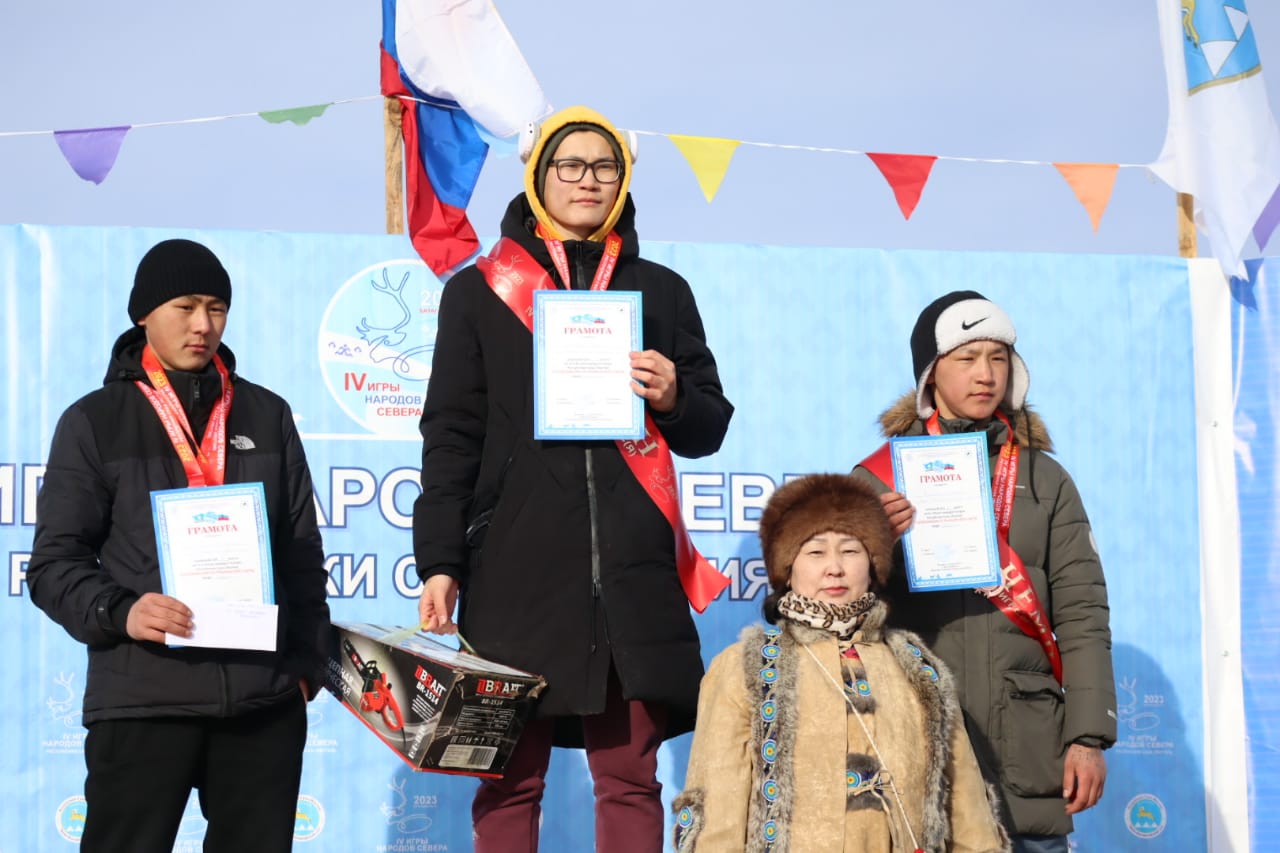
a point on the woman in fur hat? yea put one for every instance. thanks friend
(827, 731)
(561, 559)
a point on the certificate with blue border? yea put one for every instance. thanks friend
(952, 542)
(582, 345)
(215, 557)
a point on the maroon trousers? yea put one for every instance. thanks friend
(622, 752)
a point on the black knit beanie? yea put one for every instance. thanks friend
(176, 268)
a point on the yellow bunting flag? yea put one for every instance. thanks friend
(297, 115)
(1092, 183)
(709, 158)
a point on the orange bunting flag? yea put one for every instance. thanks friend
(906, 174)
(1092, 183)
(709, 158)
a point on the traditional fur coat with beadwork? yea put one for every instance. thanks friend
(780, 762)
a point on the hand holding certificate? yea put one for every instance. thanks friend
(952, 544)
(215, 558)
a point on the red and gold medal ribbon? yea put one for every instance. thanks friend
(205, 465)
(514, 275)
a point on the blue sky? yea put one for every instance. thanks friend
(1001, 79)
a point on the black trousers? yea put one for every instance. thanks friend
(246, 768)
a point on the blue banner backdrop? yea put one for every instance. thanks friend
(1256, 335)
(812, 346)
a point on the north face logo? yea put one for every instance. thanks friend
(242, 442)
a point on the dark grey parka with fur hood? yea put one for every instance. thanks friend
(1019, 721)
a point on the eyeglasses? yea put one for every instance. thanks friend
(573, 170)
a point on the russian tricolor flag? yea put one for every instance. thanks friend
(462, 70)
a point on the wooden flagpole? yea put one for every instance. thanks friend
(394, 154)
(1186, 225)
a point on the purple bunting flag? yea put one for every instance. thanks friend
(91, 152)
(1267, 222)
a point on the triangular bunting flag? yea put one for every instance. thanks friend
(297, 115)
(91, 152)
(906, 174)
(1092, 184)
(1267, 222)
(709, 158)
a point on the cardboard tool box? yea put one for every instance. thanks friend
(440, 709)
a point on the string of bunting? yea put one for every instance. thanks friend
(906, 174)
(92, 152)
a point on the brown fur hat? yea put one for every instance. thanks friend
(803, 508)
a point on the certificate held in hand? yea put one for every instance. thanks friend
(952, 543)
(215, 557)
(582, 345)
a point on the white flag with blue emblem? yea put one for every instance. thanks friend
(1223, 146)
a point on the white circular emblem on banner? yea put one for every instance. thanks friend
(70, 817)
(308, 821)
(1145, 816)
(376, 341)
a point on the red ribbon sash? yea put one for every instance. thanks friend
(513, 275)
(205, 465)
(1015, 597)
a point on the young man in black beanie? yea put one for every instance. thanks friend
(1032, 658)
(164, 719)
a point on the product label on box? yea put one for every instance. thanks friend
(466, 757)
(481, 720)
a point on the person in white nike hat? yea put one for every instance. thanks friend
(1032, 657)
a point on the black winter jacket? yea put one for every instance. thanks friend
(564, 563)
(95, 544)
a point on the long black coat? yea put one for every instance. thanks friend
(515, 520)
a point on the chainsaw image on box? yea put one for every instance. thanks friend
(375, 694)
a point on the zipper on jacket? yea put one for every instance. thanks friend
(224, 682)
(195, 407)
(580, 279)
(592, 508)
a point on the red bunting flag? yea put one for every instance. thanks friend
(906, 174)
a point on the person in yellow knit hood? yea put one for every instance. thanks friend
(826, 730)
(560, 561)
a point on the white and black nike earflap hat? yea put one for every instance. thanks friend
(953, 320)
